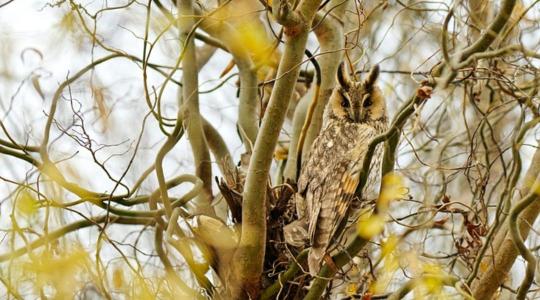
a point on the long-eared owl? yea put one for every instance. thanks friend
(354, 115)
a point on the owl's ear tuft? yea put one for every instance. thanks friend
(372, 77)
(343, 77)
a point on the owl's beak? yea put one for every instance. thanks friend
(358, 115)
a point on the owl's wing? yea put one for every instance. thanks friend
(311, 180)
(296, 233)
(330, 207)
(332, 197)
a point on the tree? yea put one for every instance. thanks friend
(157, 156)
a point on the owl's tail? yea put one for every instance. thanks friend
(315, 257)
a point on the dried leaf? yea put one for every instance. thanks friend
(118, 278)
(227, 69)
(281, 153)
(424, 92)
(37, 86)
(98, 91)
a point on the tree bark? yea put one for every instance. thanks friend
(505, 252)
(190, 102)
(249, 257)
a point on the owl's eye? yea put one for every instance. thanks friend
(345, 102)
(367, 102)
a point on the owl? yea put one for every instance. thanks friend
(325, 200)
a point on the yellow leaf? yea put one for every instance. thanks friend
(389, 245)
(392, 188)
(26, 204)
(59, 272)
(227, 69)
(142, 291)
(484, 266)
(391, 264)
(385, 276)
(118, 278)
(68, 22)
(432, 284)
(431, 281)
(535, 186)
(216, 234)
(281, 153)
(253, 37)
(351, 288)
(369, 225)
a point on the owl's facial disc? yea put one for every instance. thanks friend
(360, 101)
(358, 105)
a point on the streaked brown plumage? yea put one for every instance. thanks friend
(355, 114)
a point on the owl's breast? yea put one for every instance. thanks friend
(338, 144)
(348, 140)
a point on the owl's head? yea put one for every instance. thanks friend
(357, 101)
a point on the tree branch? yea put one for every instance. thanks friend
(247, 109)
(249, 257)
(73, 227)
(505, 252)
(190, 101)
